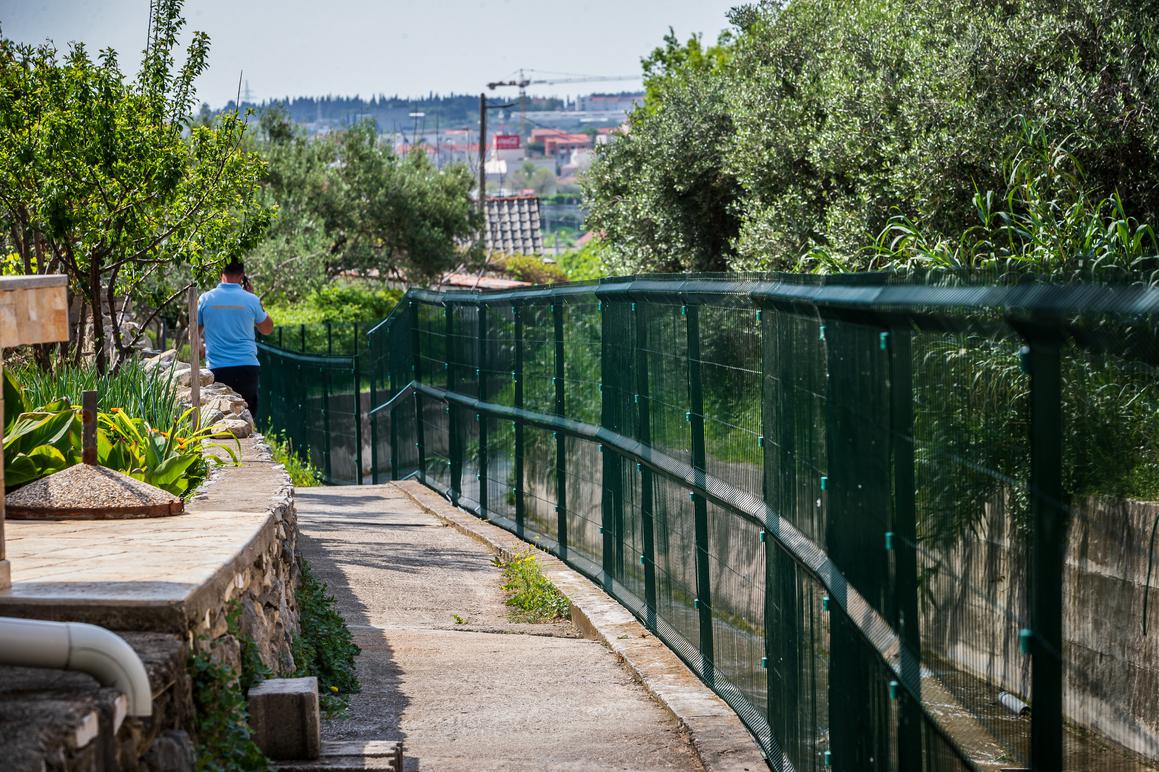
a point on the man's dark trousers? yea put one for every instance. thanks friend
(244, 380)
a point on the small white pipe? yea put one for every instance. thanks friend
(1013, 703)
(74, 646)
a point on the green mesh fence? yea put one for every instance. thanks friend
(320, 403)
(329, 338)
(896, 523)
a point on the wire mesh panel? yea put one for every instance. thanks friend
(539, 485)
(972, 478)
(316, 403)
(895, 522)
(1110, 462)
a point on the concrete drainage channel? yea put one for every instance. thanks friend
(720, 740)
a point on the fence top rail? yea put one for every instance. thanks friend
(324, 360)
(887, 293)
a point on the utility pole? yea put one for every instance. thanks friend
(483, 158)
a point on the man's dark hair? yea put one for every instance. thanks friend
(233, 268)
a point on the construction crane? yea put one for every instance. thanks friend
(523, 82)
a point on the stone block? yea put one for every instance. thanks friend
(283, 714)
(185, 374)
(233, 427)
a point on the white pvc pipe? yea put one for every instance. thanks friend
(74, 646)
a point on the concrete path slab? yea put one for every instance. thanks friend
(483, 692)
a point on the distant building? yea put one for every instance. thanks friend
(514, 225)
(610, 102)
(561, 146)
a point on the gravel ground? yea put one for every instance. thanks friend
(486, 693)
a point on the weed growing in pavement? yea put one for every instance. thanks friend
(529, 593)
(325, 649)
(303, 473)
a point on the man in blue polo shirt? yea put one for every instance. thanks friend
(228, 316)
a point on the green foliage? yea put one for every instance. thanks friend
(39, 442)
(661, 194)
(530, 176)
(174, 459)
(325, 648)
(350, 205)
(532, 269)
(106, 180)
(586, 263)
(42, 440)
(1048, 222)
(303, 473)
(338, 302)
(147, 394)
(528, 591)
(221, 726)
(838, 124)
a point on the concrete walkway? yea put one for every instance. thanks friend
(446, 671)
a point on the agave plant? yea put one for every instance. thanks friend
(173, 459)
(39, 441)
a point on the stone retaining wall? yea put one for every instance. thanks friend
(170, 591)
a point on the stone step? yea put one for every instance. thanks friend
(350, 757)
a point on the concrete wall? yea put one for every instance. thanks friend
(1112, 669)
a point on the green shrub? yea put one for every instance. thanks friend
(221, 726)
(532, 269)
(325, 648)
(303, 473)
(40, 440)
(586, 263)
(528, 591)
(340, 302)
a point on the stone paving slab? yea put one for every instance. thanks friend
(151, 574)
(486, 693)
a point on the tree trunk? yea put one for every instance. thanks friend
(100, 354)
(79, 340)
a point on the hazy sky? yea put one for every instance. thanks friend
(408, 47)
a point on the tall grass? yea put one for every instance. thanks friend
(141, 393)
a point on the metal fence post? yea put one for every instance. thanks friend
(560, 446)
(454, 440)
(696, 421)
(481, 376)
(326, 468)
(417, 365)
(394, 388)
(520, 508)
(357, 420)
(1047, 550)
(644, 435)
(329, 337)
(611, 514)
(904, 527)
(302, 337)
(373, 420)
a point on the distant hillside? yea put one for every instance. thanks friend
(392, 113)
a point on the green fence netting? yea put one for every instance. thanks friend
(895, 522)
